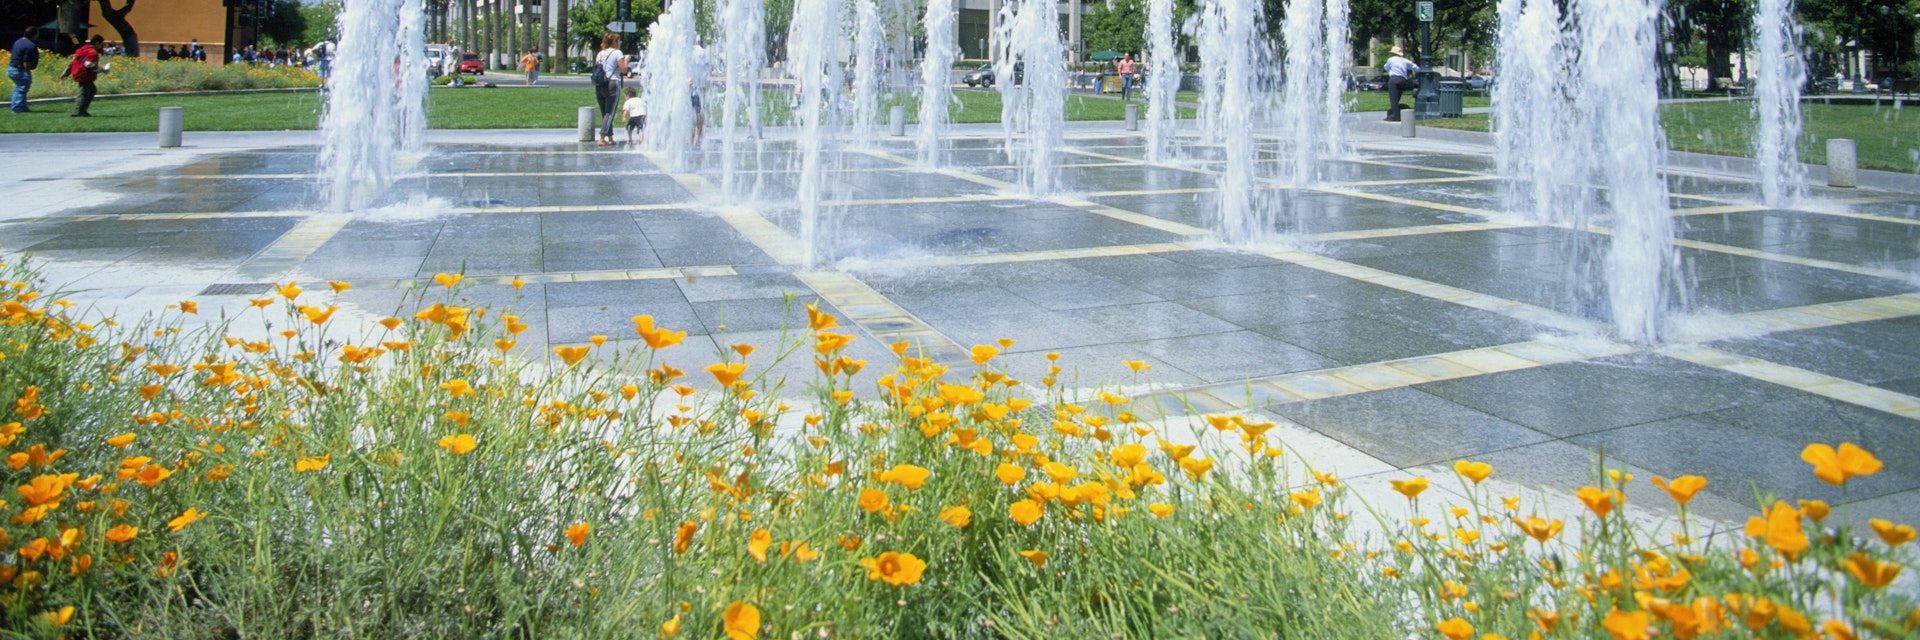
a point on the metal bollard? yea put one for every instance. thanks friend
(1133, 117)
(172, 119)
(586, 124)
(897, 120)
(1406, 124)
(1843, 163)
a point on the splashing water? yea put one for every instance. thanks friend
(1208, 29)
(1620, 102)
(813, 41)
(1244, 215)
(675, 69)
(744, 28)
(936, 79)
(1544, 178)
(1034, 37)
(363, 128)
(1163, 83)
(1333, 142)
(868, 40)
(1302, 97)
(1778, 75)
(412, 42)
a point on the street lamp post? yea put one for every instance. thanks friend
(1426, 97)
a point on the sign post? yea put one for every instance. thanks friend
(1426, 97)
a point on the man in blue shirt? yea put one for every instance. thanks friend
(26, 56)
(1399, 72)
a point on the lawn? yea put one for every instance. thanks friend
(1887, 137)
(446, 109)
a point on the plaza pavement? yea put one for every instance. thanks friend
(1406, 324)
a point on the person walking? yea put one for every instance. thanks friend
(85, 69)
(609, 66)
(322, 54)
(636, 110)
(1400, 71)
(26, 58)
(531, 64)
(1126, 70)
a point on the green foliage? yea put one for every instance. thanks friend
(1120, 25)
(587, 21)
(285, 24)
(318, 20)
(147, 75)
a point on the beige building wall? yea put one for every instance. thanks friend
(173, 22)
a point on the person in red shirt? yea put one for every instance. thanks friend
(85, 69)
(1126, 77)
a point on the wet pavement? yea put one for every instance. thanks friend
(1403, 316)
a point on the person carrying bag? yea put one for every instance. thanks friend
(609, 65)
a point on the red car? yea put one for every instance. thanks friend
(470, 63)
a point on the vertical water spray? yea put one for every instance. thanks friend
(1163, 80)
(1778, 75)
(361, 132)
(936, 78)
(1536, 130)
(813, 44)
(743, 25)
(1243, 215)
(1333, 142)
(869, 43)
(1207, 28)
(1621, 105)
(411, 103)
(1302, 95)
(674, 70)
(1034, 59)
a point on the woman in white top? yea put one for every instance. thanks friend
(613, 65)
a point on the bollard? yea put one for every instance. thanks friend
(897, 120)
(1133, 117)
(1842, 163)
(171, 121)
(1406, 125)
(586, 124)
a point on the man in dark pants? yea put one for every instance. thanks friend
(1400, 72)
(84, 70)
(26, 56)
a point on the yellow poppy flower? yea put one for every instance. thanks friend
(447, 280)
(727, 374)
(1475, 471)
(671, 627)
(1681, 489)
(1601, 502)
(906, 475)
(1025, 512)
(571, 355)
(1010, 474)
(1196, 467)
(982, 353)
(122, 533)
(577, 534)
(1455, 629)
(191, 516)
(897, 569)
(457, 388)
(1816, 510)
(1160, 509)
(683, 537)
(1780, 528)
(1837, 466)
(1038, 558)
(311, 463)
(1870, 572)
(1894, 535)
(459, 444)
(956, 516)
(757, 544)
(873, 500)
(742, 621)
(1409, 488)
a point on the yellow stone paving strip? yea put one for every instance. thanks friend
(1393, 374)
(1517, 310)
(1438, 206)
(1816, 383)
(1394, 232)
(862, 305)
(1890, 274)
(551, 277)
(1816, 316)
(1402, 165)
(1054, 254)
(293, 247)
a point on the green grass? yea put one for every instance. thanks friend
(1887, 137)
(446, 109)
(1360, 101)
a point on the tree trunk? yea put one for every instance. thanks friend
(118, 18)
(562, 54)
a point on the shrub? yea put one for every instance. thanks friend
(143, 75)
(268, 474)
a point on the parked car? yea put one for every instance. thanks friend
(470, 63)
(983, 76)
(1479, 83)
(1376, 83)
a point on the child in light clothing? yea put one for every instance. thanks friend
(636, 109)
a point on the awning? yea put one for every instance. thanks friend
(1103, 56)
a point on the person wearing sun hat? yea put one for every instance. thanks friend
(1400, 71)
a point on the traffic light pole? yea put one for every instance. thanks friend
(623, 13)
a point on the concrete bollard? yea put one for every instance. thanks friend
(586, 124)
(897, 121)
(1407, 124)
(1843, 163)
(1133, 117)
(172, 119)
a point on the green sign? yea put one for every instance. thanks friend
(1425, 9)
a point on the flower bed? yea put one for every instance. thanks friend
(143, 75)
(176, 479)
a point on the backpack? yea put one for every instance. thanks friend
(599, 73)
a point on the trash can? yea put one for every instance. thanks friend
(1453, 96)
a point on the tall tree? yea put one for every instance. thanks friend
(1120, 25)
(562, 53)
(129, 40)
